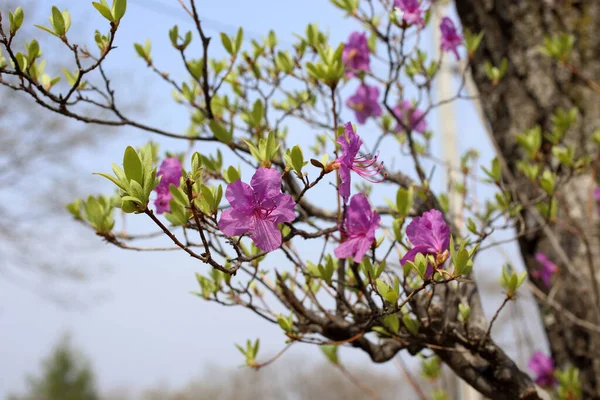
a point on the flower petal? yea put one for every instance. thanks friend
(265, 234)
(234, 222)
(358, 214)
(430, 231)
(412, 253)
(344, 188)
(240, 195)
(285, 208)
(266, 183)
(364, 244)
(347, 249)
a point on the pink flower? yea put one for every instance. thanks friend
(364, 103)
(429, 235)
(258, 208)
(356, 54)
(542, 367)
(170, 170)
(358, 230)
(412, 117)
(365, 165)
(411, 12)
(548, 268)
(450, 38)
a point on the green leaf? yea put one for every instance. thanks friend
(232, 174)
(112, 179)
(132, 165)
(239, 38)
(174, 36)
(411, 324)
(219, 131)
(45, 29)
(67, 18)
(118, 9)
(226, 41)
(178, 195)
(140, 50)
(58, 22)
(16, 20)
(404, 201)
(392, 322)
(331, 352)
(207, 194)
(105, 11)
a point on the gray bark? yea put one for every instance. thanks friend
(533, 88)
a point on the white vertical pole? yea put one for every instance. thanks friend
(449, 142)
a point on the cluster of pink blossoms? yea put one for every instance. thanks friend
(258, 208)
(170, 173)
(542, 367)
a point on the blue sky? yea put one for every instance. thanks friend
(145, 327)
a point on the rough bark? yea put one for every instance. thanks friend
(533, 88)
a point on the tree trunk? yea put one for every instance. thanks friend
(533, 88)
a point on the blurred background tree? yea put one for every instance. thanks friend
(65, 375)
(33, 164)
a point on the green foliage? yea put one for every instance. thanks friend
(495, 74)
(389, 293)
(511, 281)
(419, 264)
(331, 352)
(136, 180)
(464, 311)
(472, 41)
(144, 50)
(431, 367)
(250, 352)
(15, 20)
(294, 159)
(330, 68)
(286, 323)
(115, 13)
(561, 122)
(347, 5)
(59, 21)
(495, 172)
(461, 258)
(266, 150)
(559, 46)
(411, 323)
(569, 384)
(531, 141)
(371, 272)
(210, 286)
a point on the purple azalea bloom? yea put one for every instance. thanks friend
(450, 38)
(597, 197)
(359, 229)
(258, 208)
(365, 165)
(170, 170)
(548, 268)
(411, 116)
(356, 54)
(429, 235)
(411, 12)
(364, 103)
(542, 367)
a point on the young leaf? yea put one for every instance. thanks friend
(132, 165)
(58, 22)
(105, 11)
(118, 9)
